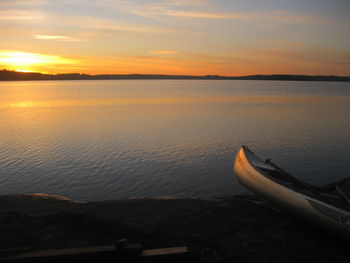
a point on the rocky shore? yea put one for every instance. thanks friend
(230, 229)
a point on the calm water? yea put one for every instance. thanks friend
(97, 140)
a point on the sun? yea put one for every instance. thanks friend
(23, 70)
(21, 58)
(26, 62)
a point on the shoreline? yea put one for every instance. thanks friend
(8, 75)
(241, 228)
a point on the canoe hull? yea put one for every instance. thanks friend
(334, 219)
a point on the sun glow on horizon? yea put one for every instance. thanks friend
(23, 59)
(22, 104)
(23, 70)
(29, 62)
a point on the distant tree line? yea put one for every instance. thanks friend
(8, 75)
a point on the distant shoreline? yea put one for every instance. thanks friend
(7, 75)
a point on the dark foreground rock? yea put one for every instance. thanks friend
(231, 229)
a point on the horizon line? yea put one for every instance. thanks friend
(173, 75)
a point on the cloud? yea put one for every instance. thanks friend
(55, 37)
(280, 16)
(106, 24)
(20, 15)
(22, 3)
(199, 9)
(164, 52)
(36, 3)
(201, 14)
(113, 25)
(185, 3)
(76, 22)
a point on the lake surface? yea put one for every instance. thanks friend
(115, 139)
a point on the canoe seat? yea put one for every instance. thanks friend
(264, 166)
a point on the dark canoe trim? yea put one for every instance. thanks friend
(327, 211)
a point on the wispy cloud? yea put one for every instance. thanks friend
(164, 52)
(113, 25)
(108, 24)
(22, 3)
(20, 15)
(279, 16)
(55, 37)
(83, 24)
(39, 3)
(186, 3)
(204, 10)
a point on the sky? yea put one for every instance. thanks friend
(191, 37)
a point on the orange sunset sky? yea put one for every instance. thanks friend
(192, 37)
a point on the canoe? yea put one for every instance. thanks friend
(327, 207)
